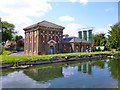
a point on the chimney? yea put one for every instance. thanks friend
(65, 36)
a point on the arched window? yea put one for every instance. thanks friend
(43, 46)
(35, 34)
(30, 35)
(30, 46)
(34, 46)
(58, 45)
(26, 46)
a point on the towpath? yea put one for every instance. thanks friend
(21, 53)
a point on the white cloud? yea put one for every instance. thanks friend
(84, 2)
(13, 80)
(18, 11)
(69, 71)
(73, 0)
(102, 30)
(72, 29)
(107, 10)
(66, 18)
(109, 25)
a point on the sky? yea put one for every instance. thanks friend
(72, 14)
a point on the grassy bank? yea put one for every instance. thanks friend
(5, 52)
(6, 58)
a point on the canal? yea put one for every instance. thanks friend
(75, 74)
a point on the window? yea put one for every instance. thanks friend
(58, 47)
(43, 34)
(64, 47)
(87, 47)
(58, 35)
(35, 34)
(82, 47)
(26, 36)
(26, 46)
(51, 34)
(43, 46)
(30, 35)
(30, 46)
(34, 46)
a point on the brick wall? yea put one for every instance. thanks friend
(40, 36)
(74, 46)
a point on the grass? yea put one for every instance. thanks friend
(7, 59)
(5, 52)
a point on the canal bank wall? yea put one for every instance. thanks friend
(58, 59)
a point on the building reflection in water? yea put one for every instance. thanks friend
(85, 68)
(45, 74)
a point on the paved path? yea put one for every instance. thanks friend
(18, 54)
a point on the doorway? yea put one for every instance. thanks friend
(51, 50)
(76, 50)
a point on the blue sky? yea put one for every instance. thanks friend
(72, 15)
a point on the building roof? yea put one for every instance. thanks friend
(74, 39)
(44, 23)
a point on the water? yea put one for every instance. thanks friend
(75, 74)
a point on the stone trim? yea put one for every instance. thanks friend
(51, 41)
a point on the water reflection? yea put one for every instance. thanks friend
(114, 68)
(90, 74)
(100, 64)
(85, 68)
(45, 74)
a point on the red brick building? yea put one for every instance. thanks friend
(47, 38)
(43, 38)
(74, 44)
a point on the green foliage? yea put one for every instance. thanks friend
(103, 42)
(114, 67)
(17, 37)
(98, 38)
(113, 40)
(7, 31)
(20, 43)
(100, 64)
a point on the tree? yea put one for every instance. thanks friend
(114, 66)
(7, 31)
(20, 43)
(98, 38)
(103, 42)
(10, 44)
(17, 37)
(0, 32)
(113, 40)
